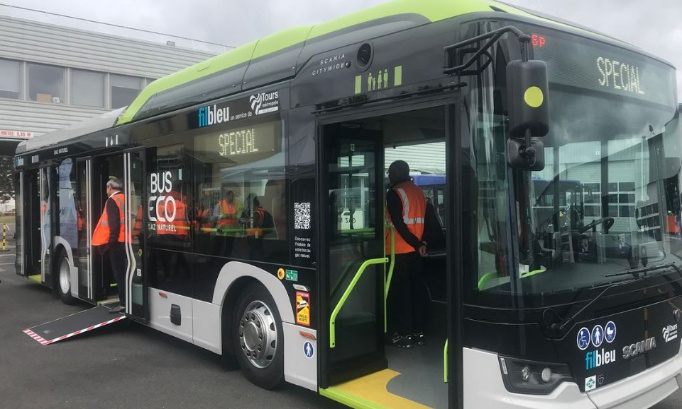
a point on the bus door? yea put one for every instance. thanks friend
(129, 168)
(83, 257)
(136, 279)
(352, 232)
(47, 215)
(35, 220)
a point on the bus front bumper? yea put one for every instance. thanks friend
(484, 388)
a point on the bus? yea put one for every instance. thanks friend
(527, 315)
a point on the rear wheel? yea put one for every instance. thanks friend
(258, 337)
(64, 279)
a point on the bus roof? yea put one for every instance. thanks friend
(276, 58)
(98, 123)
(236, 70)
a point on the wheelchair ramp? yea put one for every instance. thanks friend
(74, 324)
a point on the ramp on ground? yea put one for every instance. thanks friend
(74, 324)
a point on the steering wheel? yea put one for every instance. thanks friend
(608, 222)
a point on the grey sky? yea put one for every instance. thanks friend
(653, 25)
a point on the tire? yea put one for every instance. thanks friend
(63, 279)
(258, 338)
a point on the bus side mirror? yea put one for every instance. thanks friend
(527, 100)
(524, 156)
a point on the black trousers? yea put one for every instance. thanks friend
(119, 264)
(407, 304)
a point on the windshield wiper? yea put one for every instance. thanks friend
(644, 271)
(638, 273)
(565, 322)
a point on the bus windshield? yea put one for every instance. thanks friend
(608, 199)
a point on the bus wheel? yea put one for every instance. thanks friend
(64, 280)
(258, 338)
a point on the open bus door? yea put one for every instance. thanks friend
(35, 216)
(129, 168)
(352, 268)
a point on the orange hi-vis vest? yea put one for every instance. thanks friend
(101, 234)
(258, 218)
(414, 210)
(228, 215)
(180, 226)
(137, 228)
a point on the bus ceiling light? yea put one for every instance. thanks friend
(533, 378)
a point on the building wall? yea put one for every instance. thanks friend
(29, 42)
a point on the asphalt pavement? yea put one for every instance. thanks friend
(124, 365)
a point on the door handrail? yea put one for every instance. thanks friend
(346, 294)
(387, 278)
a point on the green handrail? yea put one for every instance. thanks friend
(387, 279)
(532, 273)
(487, 276)
(445, 361)
(484, 279)
(344, 297)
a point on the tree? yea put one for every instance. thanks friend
(6, 178)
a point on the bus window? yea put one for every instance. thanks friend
(240, 210)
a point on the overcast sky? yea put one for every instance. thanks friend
(654, 25)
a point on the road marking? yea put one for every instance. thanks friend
(6, 264)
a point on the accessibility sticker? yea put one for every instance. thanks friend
(308, 349)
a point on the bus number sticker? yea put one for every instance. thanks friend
(302, 308)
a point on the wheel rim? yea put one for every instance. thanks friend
(258, 334)
(64, 276)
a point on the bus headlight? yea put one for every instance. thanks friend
(534, 378)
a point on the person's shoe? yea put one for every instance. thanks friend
(418, 338)
(116, 310)
(401, 341)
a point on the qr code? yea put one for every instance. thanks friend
(302, 216)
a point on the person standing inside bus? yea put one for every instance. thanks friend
(109, 235)
(406, 211)
(227, 213)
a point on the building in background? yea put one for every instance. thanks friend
(52, 76)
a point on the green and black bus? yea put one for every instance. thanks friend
(524, 313)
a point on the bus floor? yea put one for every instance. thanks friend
(414, 379)
(421, 373)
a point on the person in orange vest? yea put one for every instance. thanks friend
(227, 212)
(109, 236)
(203, 220)
(178, 225)
(406, 213)
(257, 220)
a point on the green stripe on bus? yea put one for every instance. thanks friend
(430, 10)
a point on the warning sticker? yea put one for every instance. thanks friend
(303, 308)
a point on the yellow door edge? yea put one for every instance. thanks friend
(348, 399)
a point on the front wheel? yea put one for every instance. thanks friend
(64, 280)
(258, 337)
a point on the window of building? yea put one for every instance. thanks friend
(10, 79)
(87, 88)
(124, 89)
(46, 83)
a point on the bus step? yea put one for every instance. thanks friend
(72, 325)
